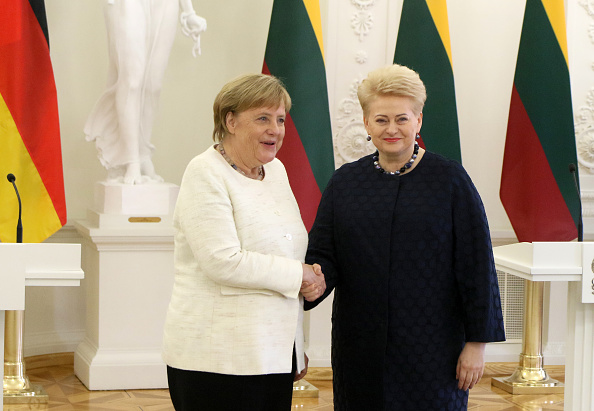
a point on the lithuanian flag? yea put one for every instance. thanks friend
(295, 54)
(423, 44)
(537, 189)
(29, 130)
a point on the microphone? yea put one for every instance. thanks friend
(572, 170)
(19, 231)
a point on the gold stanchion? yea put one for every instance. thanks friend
(305, 389)
(530, 377)
(16, 385)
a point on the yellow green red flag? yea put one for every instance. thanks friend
(423, 44)
(295, 54)
(537, 189)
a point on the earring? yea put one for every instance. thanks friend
(418, 136)
(368, 137)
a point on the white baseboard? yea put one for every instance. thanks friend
(503, 352)
(319, 355)
(119, 369)
(51, 342)
(554, 353)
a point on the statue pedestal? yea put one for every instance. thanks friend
(127, 256)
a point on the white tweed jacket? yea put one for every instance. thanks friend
(239, 244)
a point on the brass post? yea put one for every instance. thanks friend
(530, 377)
(16, 386)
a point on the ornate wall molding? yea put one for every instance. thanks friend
(588, 5)
(362, 23)
(587, 203)
(351, 138)
(584, 130)
(362, 20)
(363, 4)
(361, 57)
(584, 119)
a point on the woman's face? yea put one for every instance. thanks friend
(257, 134)
(392, 125)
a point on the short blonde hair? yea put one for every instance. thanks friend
(394, 80)
(246, 92)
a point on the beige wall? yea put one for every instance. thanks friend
(233, 44)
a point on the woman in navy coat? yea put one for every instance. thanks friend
(403, 240)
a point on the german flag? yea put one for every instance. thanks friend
(29, 128)
(295, 54)
(423, 44)
(537, 189)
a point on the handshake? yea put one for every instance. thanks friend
(313, 283)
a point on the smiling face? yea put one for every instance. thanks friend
(393, 125)
(255, 135)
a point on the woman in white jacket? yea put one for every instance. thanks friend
(233, 335)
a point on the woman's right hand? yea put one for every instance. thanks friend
(313, 283)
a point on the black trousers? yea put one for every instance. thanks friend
(197, 391)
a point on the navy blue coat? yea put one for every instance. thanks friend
(411, 263)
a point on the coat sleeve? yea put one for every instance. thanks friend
(204, 215)
(474, 265)
(321, 247)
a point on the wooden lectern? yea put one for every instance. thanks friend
(38, 264)
(554, 261)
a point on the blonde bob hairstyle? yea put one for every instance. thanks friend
(246, 92)
(396, 81)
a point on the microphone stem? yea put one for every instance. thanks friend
(19, 230)
(580, 226)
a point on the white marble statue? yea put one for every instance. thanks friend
(140, 36)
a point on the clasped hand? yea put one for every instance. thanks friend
(313, 283)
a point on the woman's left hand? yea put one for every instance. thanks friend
(313, 284)
(471, 365)
(300, 375)
(310, 292)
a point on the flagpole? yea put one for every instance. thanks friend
(530, 377)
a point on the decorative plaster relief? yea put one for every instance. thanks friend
(587, 201)
(588, 5)
(363, 4)
(584, 121)
(351, 138)
(585, 149)
(361, 57)
(584, 130)
(362, 22)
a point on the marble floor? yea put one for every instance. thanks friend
(55, 374)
